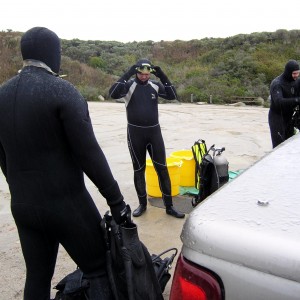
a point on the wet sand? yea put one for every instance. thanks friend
(243, 131)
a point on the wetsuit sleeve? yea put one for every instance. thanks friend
(281, 102)
(167, 90)
(3, 160)
(79, 132)
(120, 88)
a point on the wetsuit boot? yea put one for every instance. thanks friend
(141, 208)
(170, 210)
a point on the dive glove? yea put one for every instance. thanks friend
(161, 75)
(120, 212)
(130, 72)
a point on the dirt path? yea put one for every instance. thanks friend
(243, 131)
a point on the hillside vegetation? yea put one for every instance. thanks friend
(242, 65)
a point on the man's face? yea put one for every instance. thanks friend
(143, 72)
(295, 75)
(144, 77)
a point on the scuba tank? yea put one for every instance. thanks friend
(221, 165)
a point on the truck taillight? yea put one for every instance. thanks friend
(191, 282)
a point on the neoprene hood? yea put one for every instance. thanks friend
(143, 61)
(40, 43)
(290, 67)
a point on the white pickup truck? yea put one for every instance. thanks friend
(243, 242)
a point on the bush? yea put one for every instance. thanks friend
(89, 93)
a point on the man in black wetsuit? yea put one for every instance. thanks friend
(284, 91)
(143, 129)
(47, 143)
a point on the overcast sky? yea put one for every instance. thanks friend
(132, 20)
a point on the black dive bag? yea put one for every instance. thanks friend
(133, 273)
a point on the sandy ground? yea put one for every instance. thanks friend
(243, 131)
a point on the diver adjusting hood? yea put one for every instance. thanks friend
(40, 43)
(141, 63)
(290, 67)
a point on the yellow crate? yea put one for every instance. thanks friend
(153, 189)
(187, 171)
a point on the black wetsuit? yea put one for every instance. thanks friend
(284, 91)
(143, 130)
(47, 143)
